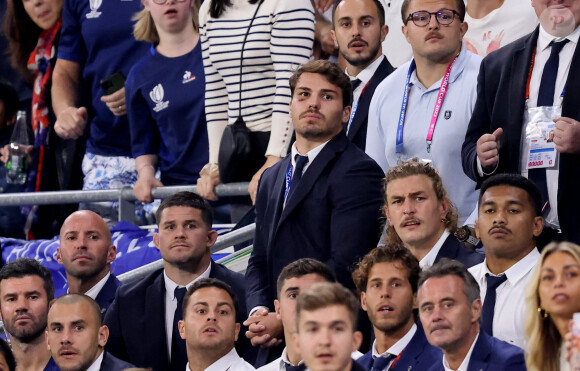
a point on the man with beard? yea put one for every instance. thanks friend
(322, 201)
(86, 252)
(358, 30)
(26, 288)
(387, 281)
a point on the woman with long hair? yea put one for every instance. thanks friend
(553, 296)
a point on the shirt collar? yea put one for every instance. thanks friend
(225, 362)
(456, 71)
(517, 271)
(465, 364)
(96, 366)
(310, 154)
(399, 346)
(94, 291)
(429, 259)
(170, 285)
(284, 359)
(365, 75)
(544, 38)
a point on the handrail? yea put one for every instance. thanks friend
(240, 235)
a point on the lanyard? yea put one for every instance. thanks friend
(288, 180)
(530, 76)
(436, 110)
(355, 107)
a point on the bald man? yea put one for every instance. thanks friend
(76, 338)
(86, 251)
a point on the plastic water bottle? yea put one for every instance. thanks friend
(17, 165)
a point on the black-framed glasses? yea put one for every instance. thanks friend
(422, 18)
(161, 2)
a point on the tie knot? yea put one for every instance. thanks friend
(180, 294)
(301, 161)
(355, 83)
(557, 46)
(494, 281)
(380, 363)
(290, 367)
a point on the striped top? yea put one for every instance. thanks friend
(280, 39)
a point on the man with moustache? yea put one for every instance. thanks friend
(26, 289)
(86, 251)
(526, 118)
(321, 202)
(423, 108)
(449, 308)
(387, 281)
(509, 221)
(358, 30)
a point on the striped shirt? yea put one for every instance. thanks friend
(279, 40)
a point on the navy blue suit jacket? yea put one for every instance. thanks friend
(111, 363)
(358, 128)
(333, 216)
(418, 354)
(107, 293)
(453, 249)
(501, 92)
(136, 319)
(491, 354)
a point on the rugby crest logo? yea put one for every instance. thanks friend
(95, 5)
(156, 95)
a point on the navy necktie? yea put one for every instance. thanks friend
(178, 351)
(546, 98)
(301, 161)
(300, 367)
(380, 363)
(489, 303)
(354, 84)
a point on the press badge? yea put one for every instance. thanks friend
(540, 136)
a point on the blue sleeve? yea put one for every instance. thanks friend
(71, 46)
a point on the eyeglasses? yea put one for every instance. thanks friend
(422, 18)
(161, 2)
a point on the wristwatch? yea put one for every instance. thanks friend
(463, 234)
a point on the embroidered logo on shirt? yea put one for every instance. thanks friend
(447, 115)
(95, 5)
(187, 77)
(156, 96)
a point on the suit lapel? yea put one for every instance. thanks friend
(107, 293)
(480, 354)
(155, 318)
(448, 250)
(277, 197)
(520, 68)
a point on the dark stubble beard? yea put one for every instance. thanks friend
(30, 333)
(359, 60)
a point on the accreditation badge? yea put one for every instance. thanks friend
(539, 136)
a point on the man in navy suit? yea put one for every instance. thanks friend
(86, 251)
(358, 31)
(143, 318)
(320, 202)
(387, 281)
(75, 337)
(420, 215)
(450, 308)
(512, 81)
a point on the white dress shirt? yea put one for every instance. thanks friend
(398, 347)
(310, 154)
(429, 259)
(96, 366)
(463, 366)
(510, 304)
(94, 291)
(230, 362)
(171, 303)
(278, 364)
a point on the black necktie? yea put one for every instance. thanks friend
(290, 367)
(178, 351)
(301, 161)
(380, 363)
(354, 84)
(489, 303)
(546, 98)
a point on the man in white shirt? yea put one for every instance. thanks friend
(358, 30)
(387, 281)
(449, 308)
(326, 328)
(421, 215)
(86, 251)
(508, 224)
(76, 338)
(209, 327)
(526, 118)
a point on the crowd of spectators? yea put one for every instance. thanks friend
(429, 163)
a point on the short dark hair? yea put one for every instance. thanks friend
(23, 267)
(302, 267)
(209, 282)
(8, 356)
(387, 254)
(325, 294)
(9, 96)
(187, 199)
(380, 12)
(450, 267)
(405, 8)
(330, 71)
(68, 299)
(518, 181)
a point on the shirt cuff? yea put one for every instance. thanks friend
(480, 168)
(258, 307)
